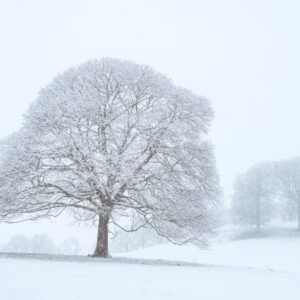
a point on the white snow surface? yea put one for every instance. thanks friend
(275, 254)
(261, 268)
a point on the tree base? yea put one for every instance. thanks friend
(99, 255)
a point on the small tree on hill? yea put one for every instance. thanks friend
(288, 183)
(252, 198)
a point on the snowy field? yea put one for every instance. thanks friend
(45, 280)
(262, 268)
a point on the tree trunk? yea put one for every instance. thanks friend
(102, 237)
(298, 207)
(258, 229)
(257, 217)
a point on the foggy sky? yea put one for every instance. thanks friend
(243, 55)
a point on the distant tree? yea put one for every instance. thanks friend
(128, 241)
(253, 195)
(288, 184)
(287, 209)
(17, 243)
(41, 243)
(111, 139)
(70, 246)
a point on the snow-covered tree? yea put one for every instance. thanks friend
(287, 174)
(253, 195)
(111, 139)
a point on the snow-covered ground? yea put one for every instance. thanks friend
(257, 268)
(29, 279)
(280, 254)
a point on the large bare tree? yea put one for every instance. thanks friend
(110, 140)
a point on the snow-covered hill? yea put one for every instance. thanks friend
(273, 253)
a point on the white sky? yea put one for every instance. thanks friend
(243, 55)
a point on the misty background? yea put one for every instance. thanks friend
(243, 55)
